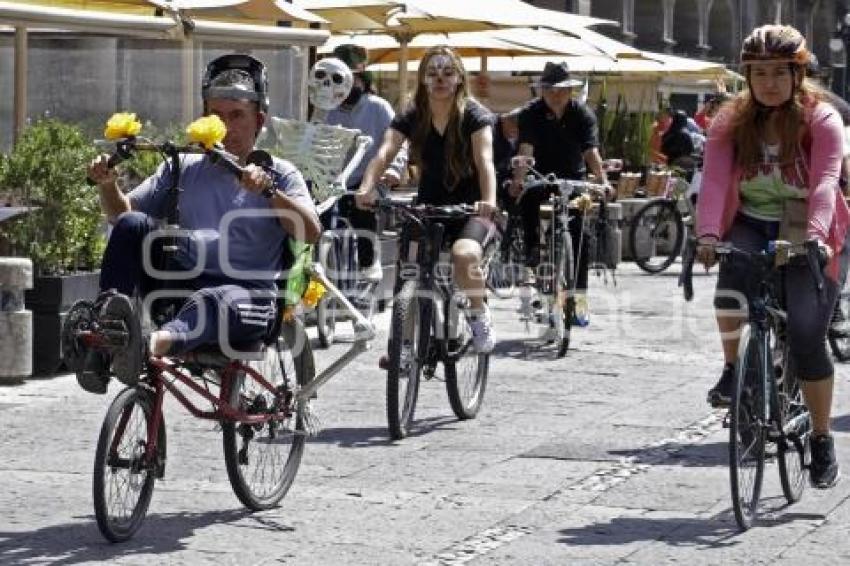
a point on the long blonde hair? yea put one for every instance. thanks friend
(458, 149)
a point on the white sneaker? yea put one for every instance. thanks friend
(374, 273)
(482, 331)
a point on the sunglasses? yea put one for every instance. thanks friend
(336, 78)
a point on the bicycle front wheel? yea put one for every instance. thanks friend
(466, 371)
(747, 428)
(793, 417)
(656, 235)
(409, 331)
(565, 301)
(263, 459)
(123, 478)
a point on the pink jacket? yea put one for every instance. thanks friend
(828, 216)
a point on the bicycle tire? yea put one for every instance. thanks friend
(746, 432)
(327, 307)
(839, 338)
(661, 221)
(466, 377)
(407, 348)
(287, 362)
(506, 264)
(789, 407)
(123, 483)
(566, 301)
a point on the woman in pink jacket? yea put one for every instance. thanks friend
(776, 142)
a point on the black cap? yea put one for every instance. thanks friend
(557, 75)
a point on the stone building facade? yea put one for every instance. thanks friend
(710, 29)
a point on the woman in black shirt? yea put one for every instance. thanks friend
(451, 141)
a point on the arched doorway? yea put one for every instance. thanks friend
(721, 21)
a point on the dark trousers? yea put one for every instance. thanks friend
(530, 213)
(212, 309)
(365, 222)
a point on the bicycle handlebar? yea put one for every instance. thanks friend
(778, 254)
(124, 149)
(562, 187)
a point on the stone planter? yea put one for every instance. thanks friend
(49, 300)
(15, 320)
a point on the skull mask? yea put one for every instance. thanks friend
(329, 84)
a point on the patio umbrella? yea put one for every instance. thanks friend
(145, 18)
(267, 12)
(384, 48)
(405, 19)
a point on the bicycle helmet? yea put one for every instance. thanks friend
(238, 77)
(775, 44)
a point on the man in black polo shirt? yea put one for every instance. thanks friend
(562, 136)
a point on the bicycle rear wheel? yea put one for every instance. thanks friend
(466, 371)
(793, 416)
(656, 235)
(262, 459)
(839, 329)
(747, 429)
(410, 329)
(123, 479)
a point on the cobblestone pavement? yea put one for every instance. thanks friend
(609, 456)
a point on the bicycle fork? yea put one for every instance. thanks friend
(364, 331)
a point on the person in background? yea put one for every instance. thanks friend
(505, 137)
(662, 121)
(365, 111)
(562, 136)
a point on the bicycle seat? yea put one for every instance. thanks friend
(213, 355)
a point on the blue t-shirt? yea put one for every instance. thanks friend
(372, 116)
(234, 233)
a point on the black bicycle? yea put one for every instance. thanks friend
(767, 403)
(427, 323)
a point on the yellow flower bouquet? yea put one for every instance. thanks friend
(207, 131)
(122, 125)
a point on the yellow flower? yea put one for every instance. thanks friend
(207, 131)
(122, 125)
(313, 294)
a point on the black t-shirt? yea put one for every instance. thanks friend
(559, 144)
(433, 185)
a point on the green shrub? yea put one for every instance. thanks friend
(47, 169)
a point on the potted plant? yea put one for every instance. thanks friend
(64, 236)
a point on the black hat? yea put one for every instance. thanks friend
(557, 75)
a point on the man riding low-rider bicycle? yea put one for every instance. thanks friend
(233, 233)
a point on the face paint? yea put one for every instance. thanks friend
(441, 71)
